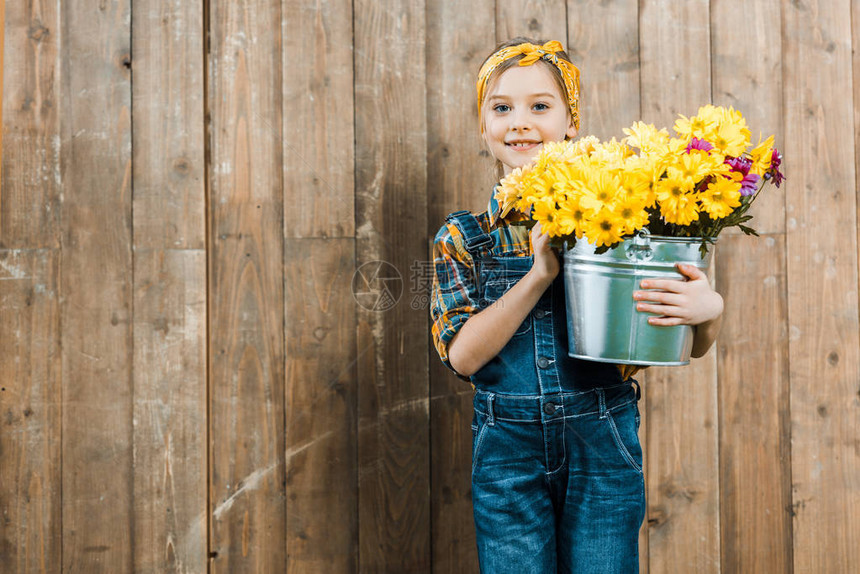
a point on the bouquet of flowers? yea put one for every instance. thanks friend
(692, 185)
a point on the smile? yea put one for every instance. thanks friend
(522, 146)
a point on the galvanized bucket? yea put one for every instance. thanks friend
(602, 321)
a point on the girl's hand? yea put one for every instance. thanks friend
(546, 264)
(690, 302)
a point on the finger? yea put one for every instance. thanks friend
(673, 285)
(690, 271)
(662, 310)
(665, 321)
(662, 297)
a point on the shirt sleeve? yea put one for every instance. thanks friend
(454, 292)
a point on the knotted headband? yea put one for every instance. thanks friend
(531, 54)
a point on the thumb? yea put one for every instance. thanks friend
(691, 272)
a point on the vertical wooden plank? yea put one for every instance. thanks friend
(29, 189)
(604, 44)
(321, 461)
(391, 155)
(822, 272)
(460, 175)
(30, 405)
(755, 471)
(321, 406)
(682, 440)
(246, 298)
(170, 411)
(752, 84)
(96, 291)
(755, 479)
(2, 40)
(30, 385)
(537, 19)
(170, 462)
(318, 119)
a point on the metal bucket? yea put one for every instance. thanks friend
(602, 321)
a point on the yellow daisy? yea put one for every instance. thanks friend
(721, 197)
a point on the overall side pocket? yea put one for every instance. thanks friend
(626, 439)
(479, 431)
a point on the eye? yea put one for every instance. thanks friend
(540, 107)
(501, 108)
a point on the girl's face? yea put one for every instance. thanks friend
(523, 109)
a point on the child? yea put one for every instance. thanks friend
(557, 481)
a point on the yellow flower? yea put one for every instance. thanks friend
(632, 214)
(692, 166)
(697, 126)
(730, 139)
(604, 228)
(732, 116)
(677, 201)
(721, 197)
(544, 211)
(599, 190)
(761, 156)
(510, 190)
(572, 216)
(645, 136)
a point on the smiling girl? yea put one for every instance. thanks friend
(557, 481)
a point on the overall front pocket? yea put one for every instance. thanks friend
(493, 291)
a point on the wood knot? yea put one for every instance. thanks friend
(37, 31)
(182, 166)
(320, 333)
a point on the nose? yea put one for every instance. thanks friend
(520, 120)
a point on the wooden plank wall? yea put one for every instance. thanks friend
(203, 204)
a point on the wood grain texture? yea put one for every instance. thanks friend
(169, 170)
(170, 411)
(96, 290)
(2, 42)
(682, 438)
(391, 224)
(746, 59)
(822, 272)
(755, 473)
(321, 415)
(246, 289)
(31, 183)
(318, 142)
(170, 457)
(30, 410)
(604, 44)
(537, 19)
(460, 175)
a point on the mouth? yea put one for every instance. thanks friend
(522, 145)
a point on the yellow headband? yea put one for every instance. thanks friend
(531, 54)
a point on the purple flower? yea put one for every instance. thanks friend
(775, 162)
(699, 144)
(740, 164)
(749, 185)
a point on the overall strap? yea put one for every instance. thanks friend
(476, 241)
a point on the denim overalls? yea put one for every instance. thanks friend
(557, 481)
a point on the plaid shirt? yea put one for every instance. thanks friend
(454, 295)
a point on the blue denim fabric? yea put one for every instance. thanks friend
(557, 481)
(535, 360)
